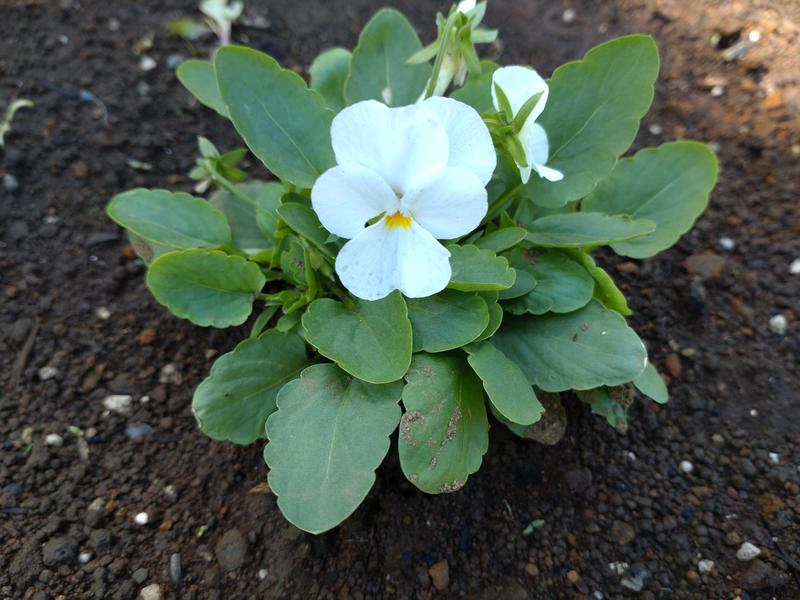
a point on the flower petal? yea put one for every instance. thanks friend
(548, 172)
(381, 259)
(534, 139)
(346, 197)
(520, 84)
(471, 144)
(450, 206)
(406, 146)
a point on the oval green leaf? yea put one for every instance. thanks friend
(477, 270)
(447, 320)
(326, 439)
(586, 229)
(199, 78)
(208, 287)
(605, 289)
(651, 384)
(329, 72)
(304, 221)
(243, 216)
(502, 239)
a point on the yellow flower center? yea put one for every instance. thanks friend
(398, 219)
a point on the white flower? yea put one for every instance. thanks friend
(221, 16)
(466, 5)
(423, 170)
(520, 84)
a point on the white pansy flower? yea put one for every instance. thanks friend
(520, 84)
(423, 170)
(466, 5)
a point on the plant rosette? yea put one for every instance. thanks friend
(422, 254)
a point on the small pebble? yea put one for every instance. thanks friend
(176, 570)
(753, 412)
(573, 577)
(10, 183)
(774, 458)
(84, 557)
(134, 431)
(794, 268)
(747, 551)
(717, 90)
(147, 63)
(686, 466)
(705, 566)
(618, 568)
(778, 324)
(262, 574)
(568, 16)
(53, 439)
(727, 244)
(656, 129)
(113, 24)
(103, 313)
(142, 518)
(754, 35)
(118, 403)
(151, 592)
(46, 373)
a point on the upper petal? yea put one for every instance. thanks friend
(406, 145)
(534, 139)
(381, 259)
(346, 197)
(450, 206)
(520, 84)
(470, 143)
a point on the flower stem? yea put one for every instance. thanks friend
(500, 204)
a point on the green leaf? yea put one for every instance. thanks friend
(580, 350)
(172, 219)
(199, 78)
(477, 270)
(444, 432)
(605, 290)
(562, 285)
(370, 340)
(379, 69)
(234, 401)
(284, 124)
(447, 320)
(652, 385)
(208, 287)
(243, 216)
(669, 185)
(502, 239)
(304, 221)
(505, 384)
(611, 403)
(586, 229)
(477, 91)
(326, 439)
(495, 315)
(549, 429)
(592, 115)
(524, 284)
(329, 72)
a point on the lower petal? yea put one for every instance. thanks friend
(548, 173)
(423, 263)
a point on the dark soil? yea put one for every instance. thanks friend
(603, 497)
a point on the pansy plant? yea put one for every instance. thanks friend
(421, 255)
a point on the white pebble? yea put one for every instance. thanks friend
(598, 595)
(84, 557)
(754, 35)
(794, 268)
(618, 568)
(686, 466)
(656, 129)
(118, 403)
(147, 63)
(705, 566)
(151, 592)
(778, 324)
(169, 374)
(717, 90)
(53, 439)
(46, 373)
(747, 552)
(727, 244)
(631, 456)
(142, 518)
(753, 412)
(103, 313)
(774, 458)
(568, 16)
(262, 574)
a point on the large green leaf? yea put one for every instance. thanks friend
(304, 221)
(379, 69)
(562, 285)
(495, 315)
(592, 115)
(326, 439)
(605, 289)
(234, 401)
(669, 185)
(369, 339)
(171, 219)
(502, 239)
(447, 320)
(444, 432)
(208, 287)
(329, 72)
(477, 91)
(586, 229)
(580, 350)
(505, 384)
(243, 216)
(199, 78)
(652, 385)
(477, 270)
(285, 124)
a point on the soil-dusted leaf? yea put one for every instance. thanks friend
(304, 221)
(284, 124)
(208, 287)
(171, 219)
(549, 429)
(234, 401)
(379, 69)
(199, 78)
(477, 91)
(329, 72)
(562, 285)
(668, 185)
(605, 290)
(581, 350)
(370, 340)
(447, 320)
(502, 239)
(505, 384)
(326, 439)
(243, 216)
(586, 229)
(612, 403)
(444, 432)
(477, 270)
(592, 115)
(652, 385)
(495, 315)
